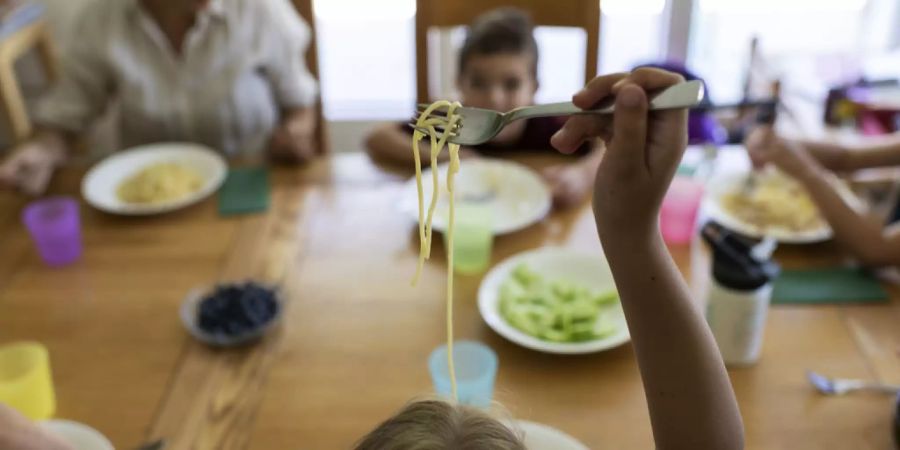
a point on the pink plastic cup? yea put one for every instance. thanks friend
(55, 227)
(679, 210)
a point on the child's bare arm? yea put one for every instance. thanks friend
(884, 153)
(880, 152)
(863, 236)
(689, 395)
(390, 144)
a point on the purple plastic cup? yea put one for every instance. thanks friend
(55, 227)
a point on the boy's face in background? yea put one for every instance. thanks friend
(500, 82)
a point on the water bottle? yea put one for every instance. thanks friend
(738, 297)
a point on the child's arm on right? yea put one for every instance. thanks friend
(865, 237)
(869, 240)
(691, 402)
(880, 152)
(883, 154)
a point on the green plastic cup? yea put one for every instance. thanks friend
(473, 239)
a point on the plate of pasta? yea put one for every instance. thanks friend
(773, 205)
(154, 179)
(515, 194)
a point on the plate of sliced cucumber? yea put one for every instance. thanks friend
(554, 300)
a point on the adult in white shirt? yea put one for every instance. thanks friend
(229, 74)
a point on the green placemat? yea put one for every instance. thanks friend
(827, 285)
(246, 190)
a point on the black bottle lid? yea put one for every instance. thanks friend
(734, 267)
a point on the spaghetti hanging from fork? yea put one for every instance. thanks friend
(427, 123)
(435, 127)
(437, 115)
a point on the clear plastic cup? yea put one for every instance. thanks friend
(473, 239)
(55, 227)
(678, 214)
(25, 381)
(476, 369)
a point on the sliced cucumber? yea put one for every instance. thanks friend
(556, 310)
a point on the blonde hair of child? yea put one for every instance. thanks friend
(439, 425)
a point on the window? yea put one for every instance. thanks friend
(814, 34)
(366, 58)
(367, 53)
(631, 33)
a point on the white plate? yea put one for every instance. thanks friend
(100, 184)
(723, 184)
(78, 435)
(588, 270)
(515, 194)
(543, 437)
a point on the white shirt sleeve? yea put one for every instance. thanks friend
(288, 39)
(81, 94)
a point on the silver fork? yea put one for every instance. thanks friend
(840, 386)
(477, 126)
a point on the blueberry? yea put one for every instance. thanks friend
(271, 308)
(236, 309)
(251, 312)
(234, 329)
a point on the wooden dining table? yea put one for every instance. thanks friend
(354, 340)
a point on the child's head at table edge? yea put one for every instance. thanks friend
(439, 425)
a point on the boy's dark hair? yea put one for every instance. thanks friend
(502, 30)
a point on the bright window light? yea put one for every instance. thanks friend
(364, 10)
(775, 6)
(629, 7)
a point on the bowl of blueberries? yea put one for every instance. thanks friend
(231, 314)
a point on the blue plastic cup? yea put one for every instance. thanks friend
(476, 369)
